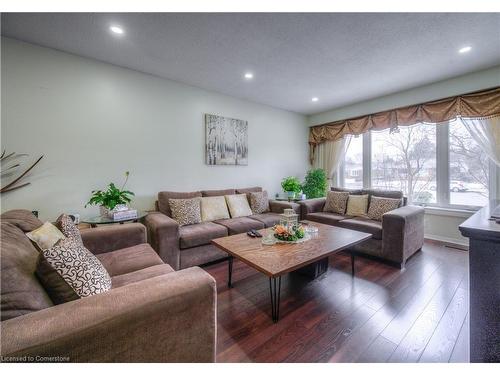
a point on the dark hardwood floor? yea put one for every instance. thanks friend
(383, 314)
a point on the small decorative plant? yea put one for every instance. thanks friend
(291, 185)
(111, 197)
(315, 184)
(283, 233)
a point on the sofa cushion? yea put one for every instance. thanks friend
(68, 271)
(336, 202)
(363, 225)
(200, 234)
(240, 224)
(186, 211)
(269, 218)
(23, 219)
(325, 217)
(350, 191)
(129, 259)
(68, 228)
(214, 208)
(379, 206)
(164, 196)
(46, 236)
(259, 202)
(357, 205)
(217, 193)
(21, 292)
(139, 275)
(238, 205)
(254, 189)
(394, 194)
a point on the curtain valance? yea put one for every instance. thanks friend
(479, 105)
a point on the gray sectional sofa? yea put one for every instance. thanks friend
(396, 238)
(189, 245)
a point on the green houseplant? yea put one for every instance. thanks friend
(112, 197)
(315, 184)
(291, 185)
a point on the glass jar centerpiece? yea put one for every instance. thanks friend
(289, 229)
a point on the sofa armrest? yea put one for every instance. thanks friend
(279, 206)
(113, 237)
(309, 206)
(402, 232)
(168, 318)
(163, 236)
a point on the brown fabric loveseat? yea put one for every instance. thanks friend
(397, 237)
(151, 314)
(189, 245)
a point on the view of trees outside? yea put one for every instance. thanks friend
(405, 160)
(353, 163)
(469, 168)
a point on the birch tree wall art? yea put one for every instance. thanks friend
(226, 141)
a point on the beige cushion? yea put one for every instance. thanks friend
(336, 202)
(69, 271)
(238, 205)
(357, 205)
(213, 208)
(186, 211)
(379, 206)
(259, 202)
(46, 236)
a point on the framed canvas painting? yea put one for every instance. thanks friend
(226, 141)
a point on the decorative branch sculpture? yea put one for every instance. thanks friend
(12, 185)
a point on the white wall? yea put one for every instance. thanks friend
(94, 121)
(439, 224)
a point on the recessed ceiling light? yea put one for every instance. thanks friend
(116, 29)
(465, 49)
(248, 75)
(315, 99)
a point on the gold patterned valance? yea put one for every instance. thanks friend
(482, 104)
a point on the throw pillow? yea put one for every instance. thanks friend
(357, 205)
(379, 206)
(214, 208)
(68, 228)
(185, 211)
(69, 271)
(336, 201)
(238, 205)
(259, 202)
(46, 236)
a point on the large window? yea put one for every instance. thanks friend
(353, 163)
(433, 164)
(405, 160)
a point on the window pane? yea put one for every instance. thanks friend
(406, 160)
(469, 168)
(353, 164)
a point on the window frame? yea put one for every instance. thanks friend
(442, 171)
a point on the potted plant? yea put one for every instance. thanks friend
(112, 199)
(315, 184)
(291, 185)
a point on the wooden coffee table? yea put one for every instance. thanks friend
(282, 258)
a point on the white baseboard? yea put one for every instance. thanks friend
(450, 240)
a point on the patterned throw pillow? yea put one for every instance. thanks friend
(214, 208)
(238, 205)
(185, 211)
(357, 205)
(68, 228)
(46, 236)
(379, 206)
(259, 202)
(336, 201)
(69, 271)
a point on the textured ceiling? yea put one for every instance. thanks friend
(340, 58)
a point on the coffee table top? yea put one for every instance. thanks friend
(281, 258)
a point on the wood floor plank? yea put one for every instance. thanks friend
(442, 342)
(339, 318)
(461, 351)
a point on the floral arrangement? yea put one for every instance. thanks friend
(292, 234)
